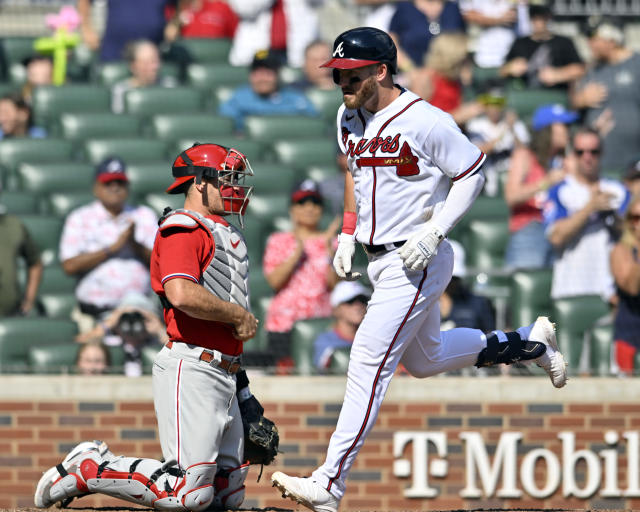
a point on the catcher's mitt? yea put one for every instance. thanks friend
(261, 437)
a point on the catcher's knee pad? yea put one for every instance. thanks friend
(229, 484)
(196, 490)
(510, 351)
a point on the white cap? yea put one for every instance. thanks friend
(459, 266)
(345, 291)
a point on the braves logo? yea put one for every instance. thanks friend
(387, 144)
(339, 51)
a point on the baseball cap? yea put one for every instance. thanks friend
(539, 9)
(111, 169)
(493, 96)
(265, 59)
(346, 291)
(633, 171)
(304, 189)
(549, 114)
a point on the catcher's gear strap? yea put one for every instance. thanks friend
(510, 351)
(229, 485)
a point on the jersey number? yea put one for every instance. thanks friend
(406, 163)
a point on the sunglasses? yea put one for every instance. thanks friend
(581, 152)
(633, 217)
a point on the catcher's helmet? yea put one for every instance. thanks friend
(227, 166)
(363, 46)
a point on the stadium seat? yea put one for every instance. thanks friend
(271, 128)
(574, 316)
(222, 93)
(18, 335)
(57, 305)
(483, 207)
(268, 206)
(252, 149)
(158, 202)
(303, 335)
(45, 178)
(8, 88)
(205, 49)
(208, 77)
(15, 151)
(109, 73)
(320, 173)
(16, 48)
(50, 101)
(161, 100)
(61, 203)
(45, 231)
(81, 125)
(272, 178)
(303, 153)
(61, 358)
(56, 282)
(339, 362)
(20, 203)
(326, 103)
(203, 126)
(129, 149)
(601, 349)
(148, 177)
(288, 75)
(486, 243)
(526, 101)
(530, 296)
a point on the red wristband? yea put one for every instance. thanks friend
(349, 222)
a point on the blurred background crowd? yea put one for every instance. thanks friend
(98, 97)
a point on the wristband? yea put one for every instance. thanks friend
(244, 394)
(349, 222)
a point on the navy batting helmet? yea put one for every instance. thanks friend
(363, 46)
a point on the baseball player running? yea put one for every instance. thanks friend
(199, 268)
(413, 175)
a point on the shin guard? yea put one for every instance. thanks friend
(229, 485)
(510, 351)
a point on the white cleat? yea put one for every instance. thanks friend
(306, 491)
(42, 497)
(552, 361)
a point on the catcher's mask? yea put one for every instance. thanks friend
(226, 167)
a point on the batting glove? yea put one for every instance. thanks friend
(344, 258)
(421, 247)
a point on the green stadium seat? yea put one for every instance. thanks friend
(259, 343)
(303, 153)
(574, 316)
(129, 149)
(222, 93)
(148, 355)
(252, 149)
(18, 335)
(303, 335)
(320, 173)
(61, 203)
(526, 101)
(148, 177)
(158, 202)
(45, 178)
(327, 103)
(45, 231)
(272, 178)
(272, 128)
(339, 362)
(20, 203)
(202, 126)
(205, 49)
(288, 75)
(50, 101)
(483, 207)
(207, 77)
(258, 285)
(56, 282)
(13, 152)
(16, 48)
(268, 206)
(486, 243)
(17, 73)
(530, 296)
(109, 73)
(81, 125)
(57, 305)
(161, 100)
(601, 349)
(8, 88)
(61, 358)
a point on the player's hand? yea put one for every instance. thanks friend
(246, 326)
(421, 247)
(343, 258)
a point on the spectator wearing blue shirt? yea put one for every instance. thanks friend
(582, 218)
(414, 24)
(15, 119)
(263, 95)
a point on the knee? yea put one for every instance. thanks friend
(229, 485)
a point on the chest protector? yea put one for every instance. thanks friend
(227, 274)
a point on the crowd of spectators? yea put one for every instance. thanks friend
(567, 170)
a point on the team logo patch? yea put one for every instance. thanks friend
(339, 51)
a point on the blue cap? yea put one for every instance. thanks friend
(111, 169)
(549, 114)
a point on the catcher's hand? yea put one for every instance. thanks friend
(261, 437)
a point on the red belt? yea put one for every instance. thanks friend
(229, 365)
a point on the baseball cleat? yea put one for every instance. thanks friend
(552, 361)
(69, 466)
(306, 491)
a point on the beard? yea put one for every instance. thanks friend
(357, 100)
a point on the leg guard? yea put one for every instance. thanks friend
(229, 485)
(513, 350)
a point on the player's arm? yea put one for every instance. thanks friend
(625, 266)
(197, 302)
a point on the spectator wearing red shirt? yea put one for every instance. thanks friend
(202, 18)
(297, 265)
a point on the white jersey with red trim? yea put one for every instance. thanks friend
(409, 141)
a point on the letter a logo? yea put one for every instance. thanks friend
(339, 50)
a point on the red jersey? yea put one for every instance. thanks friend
(180, 253)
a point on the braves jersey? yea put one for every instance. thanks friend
(403, 159)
